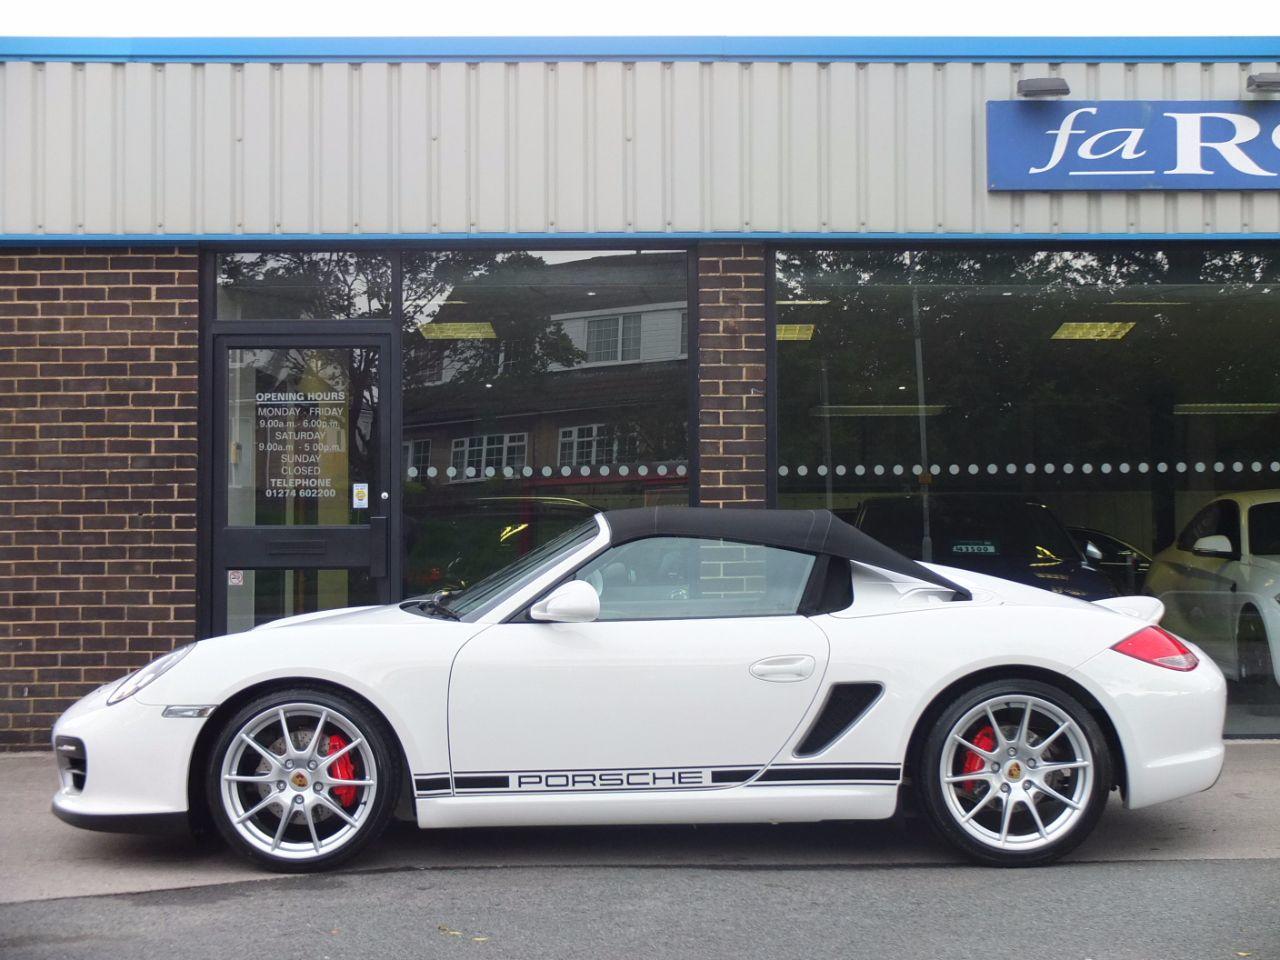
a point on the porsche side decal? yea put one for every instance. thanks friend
(652, 778)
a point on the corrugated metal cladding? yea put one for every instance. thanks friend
(457, 148)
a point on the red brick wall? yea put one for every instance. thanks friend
(731, 376)
(97, 471)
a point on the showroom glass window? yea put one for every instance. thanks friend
(999, 408)
(540, 386)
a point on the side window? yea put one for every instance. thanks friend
(1229, 522)
(669, 578)
(1203, 524)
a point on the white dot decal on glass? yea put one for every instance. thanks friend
(1105, 468)
(432, 471)
(1086, 468)
(1219, 466)
(1162, 467)
(1275, 466)
(1068, 468)
(526, 471)
(681, 470)
(822, 470)
(860, 470)
(1180, 467)
(412, 472)
(954, 469)
(489, 471)
(642, 470)
(783, 471)
(565, 471)
(840, 470)
(546, 471)
(662, 469)
(1238, 467)
(585, 471)
(1029, 467)
(508, 472)
(604, 470)
(1010, 468)
(1143, 467)
(623, 470)
(973, 469)
(935, 469)
(451, 472)
(992, 469)
(471, 471)
(879, 471)
(897, 470)
(1256, 467)
(1199, 468)
(802, 471)
(916, 469)
(1049, 468)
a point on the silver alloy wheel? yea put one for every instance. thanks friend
(279, 786)
(1035, 778)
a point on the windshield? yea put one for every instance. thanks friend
(1264, 530)
(519, 572)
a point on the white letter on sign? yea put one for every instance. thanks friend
(1061, 137)
(1191, 144)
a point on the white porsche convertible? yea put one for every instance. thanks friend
(661, 665)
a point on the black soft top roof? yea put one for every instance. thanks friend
(813, 531)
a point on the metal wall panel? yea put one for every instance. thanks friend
(574, 147)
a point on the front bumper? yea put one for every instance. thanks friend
(136, 765)
(1169, 724)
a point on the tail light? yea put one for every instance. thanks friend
(1154, 645)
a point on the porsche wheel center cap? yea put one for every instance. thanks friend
(298, 779)
(1013, 771)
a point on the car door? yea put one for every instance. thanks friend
(695, 673)
(1200, 590)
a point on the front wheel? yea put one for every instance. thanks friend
(1014, 773)
(302, 779)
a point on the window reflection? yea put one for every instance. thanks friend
(964, 401)
(538, 388)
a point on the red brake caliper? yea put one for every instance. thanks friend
(984, 740)
(344, 769)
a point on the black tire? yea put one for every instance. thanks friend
(1253, 651)
(941, 803)
(381, 759)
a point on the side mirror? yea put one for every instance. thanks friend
(572, 602)
(1092, 552)
(1216, 545)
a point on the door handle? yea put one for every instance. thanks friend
(786, 669)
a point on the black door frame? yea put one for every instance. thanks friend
(321, 547)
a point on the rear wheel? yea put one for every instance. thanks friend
(302, 779)
(1014, 773)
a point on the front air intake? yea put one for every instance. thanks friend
(73, 765)
(845, 705)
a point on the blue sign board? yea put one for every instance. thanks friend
(1133, 145)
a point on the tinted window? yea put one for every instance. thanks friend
(1219, 518)
(675, 577)
(1264, 529)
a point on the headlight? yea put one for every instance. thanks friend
(140, 678)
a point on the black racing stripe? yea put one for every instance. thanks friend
(733, 776)
(482, 783)
(846, 774)
(429, 784)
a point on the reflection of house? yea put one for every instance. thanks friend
(521, 369)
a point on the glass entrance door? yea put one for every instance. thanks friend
(300, 509)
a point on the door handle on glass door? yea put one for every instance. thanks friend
(784, 669)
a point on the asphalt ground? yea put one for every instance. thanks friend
(1196, 878)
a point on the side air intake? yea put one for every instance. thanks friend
(846, 703)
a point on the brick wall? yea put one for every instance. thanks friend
(97, 471)
(731, 384)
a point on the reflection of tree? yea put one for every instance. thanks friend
(1201, 335)
(308, 286)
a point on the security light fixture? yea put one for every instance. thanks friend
(1044, 87)
(803, 303)
(1092, 331)
(1263, 83)
(457, 331)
